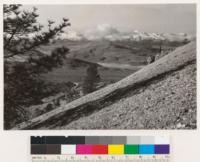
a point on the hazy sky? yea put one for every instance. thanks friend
(170, 18)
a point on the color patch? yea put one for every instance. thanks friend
(162, 149)
(38, 140)
(146, 149)
(92, 140)
(118, 140)
(162, 140)
(105, 140)
(99, 149)
(133, 140)
(38, 149)
(74, 140)
(54, 139)
(53, 149)
(68, 149)
(131, 149)
(115, 149)
(83, 149)
(147, 140)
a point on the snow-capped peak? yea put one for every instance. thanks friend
(109, 32)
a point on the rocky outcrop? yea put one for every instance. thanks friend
(174, 61)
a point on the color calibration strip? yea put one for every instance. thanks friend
(100, 145)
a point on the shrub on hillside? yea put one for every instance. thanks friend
(92, 77)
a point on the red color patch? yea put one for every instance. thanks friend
(99, 149)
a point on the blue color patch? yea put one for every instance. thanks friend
(146, 149)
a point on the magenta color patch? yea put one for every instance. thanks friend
(83, 149)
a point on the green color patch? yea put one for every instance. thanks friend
(131, 149)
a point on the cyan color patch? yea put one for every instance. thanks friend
(146, 149)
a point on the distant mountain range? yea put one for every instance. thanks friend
(110, 33)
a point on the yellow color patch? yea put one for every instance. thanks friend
(115, 149)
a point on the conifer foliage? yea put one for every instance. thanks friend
(22, 36)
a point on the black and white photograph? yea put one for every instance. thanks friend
(99, 66)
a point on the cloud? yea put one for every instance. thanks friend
(100, 31)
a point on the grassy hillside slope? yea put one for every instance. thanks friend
(160, 95)
(166, 103)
